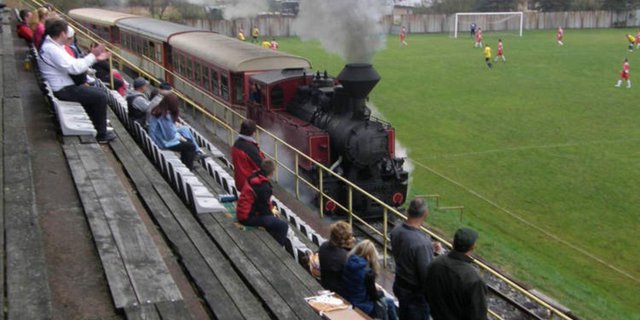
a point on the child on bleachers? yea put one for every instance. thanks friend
(359, 282)
(254, 205)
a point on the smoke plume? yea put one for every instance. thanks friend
(245, 9)
(351, 28)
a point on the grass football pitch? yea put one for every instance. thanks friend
(543, 152)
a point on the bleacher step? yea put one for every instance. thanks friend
(135, 270)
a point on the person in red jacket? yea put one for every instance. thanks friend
(254, 205)
(245, 154)
(23, 29)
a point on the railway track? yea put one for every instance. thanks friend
(505, 301)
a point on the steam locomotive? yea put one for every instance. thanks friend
(323, 117)
(329, 118)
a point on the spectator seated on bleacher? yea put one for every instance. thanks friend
(102, 73)
(164, 132)
(138, 103)
(359, 282)
(333, 255)
(245, 154)
(56, 66)
(38, 26)
(22, 27)
(254, 205)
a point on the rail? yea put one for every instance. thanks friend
(298, 155)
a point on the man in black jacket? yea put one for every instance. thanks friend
(456, 290)
(412, 251)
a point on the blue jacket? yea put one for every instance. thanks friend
(163, 131)
(354, 288)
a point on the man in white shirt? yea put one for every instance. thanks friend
(57, 65)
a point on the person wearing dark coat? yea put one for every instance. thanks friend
(359, 282)
(412, 251)
(456, 290)
(333, 255)
(254, 206)
(245, 154)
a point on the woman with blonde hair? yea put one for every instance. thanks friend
(359, 282)
(38, 25)
(333, 255)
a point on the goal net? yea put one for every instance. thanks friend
(503, 22)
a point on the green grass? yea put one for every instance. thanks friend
(545, 137)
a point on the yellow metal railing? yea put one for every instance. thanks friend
(298, 155)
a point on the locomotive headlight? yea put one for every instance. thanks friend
(397, 198)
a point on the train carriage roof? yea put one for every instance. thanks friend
(99, 16)
(233, 54)
(153, 28)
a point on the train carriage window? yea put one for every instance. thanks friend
(158, 53)
(277, 97)
(189, 68)
(238, 90)
(215, 83)
(146, 48)
(224, 87)
(174, 62)
(140, 43)
(181, 70)
(196, 73)
(136, 44)
(205, 78)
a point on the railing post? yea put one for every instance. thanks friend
(275, 156)
(384, 235)
(350, 205)
(321, 192)
(111, 72)
(297, 176)
(230, 136)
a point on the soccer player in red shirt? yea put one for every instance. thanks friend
(500, 54)
(403, 36)
(624, 74)
(478, 43)
(638, 40)
(560, 36)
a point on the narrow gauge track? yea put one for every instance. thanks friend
(503, 300)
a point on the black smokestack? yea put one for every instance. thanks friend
(358, 79)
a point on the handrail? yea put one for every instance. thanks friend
(321, 168)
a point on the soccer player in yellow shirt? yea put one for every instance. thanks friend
(265, 43)
(487, 56)
(255, 33)
(632, 42)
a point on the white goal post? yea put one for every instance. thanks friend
(518, 14)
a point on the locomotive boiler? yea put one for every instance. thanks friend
(362, 147)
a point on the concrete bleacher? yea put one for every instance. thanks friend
(23, 275)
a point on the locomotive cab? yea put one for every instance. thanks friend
(269, 94)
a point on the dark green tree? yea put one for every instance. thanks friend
(496, 5)
(553, 5)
